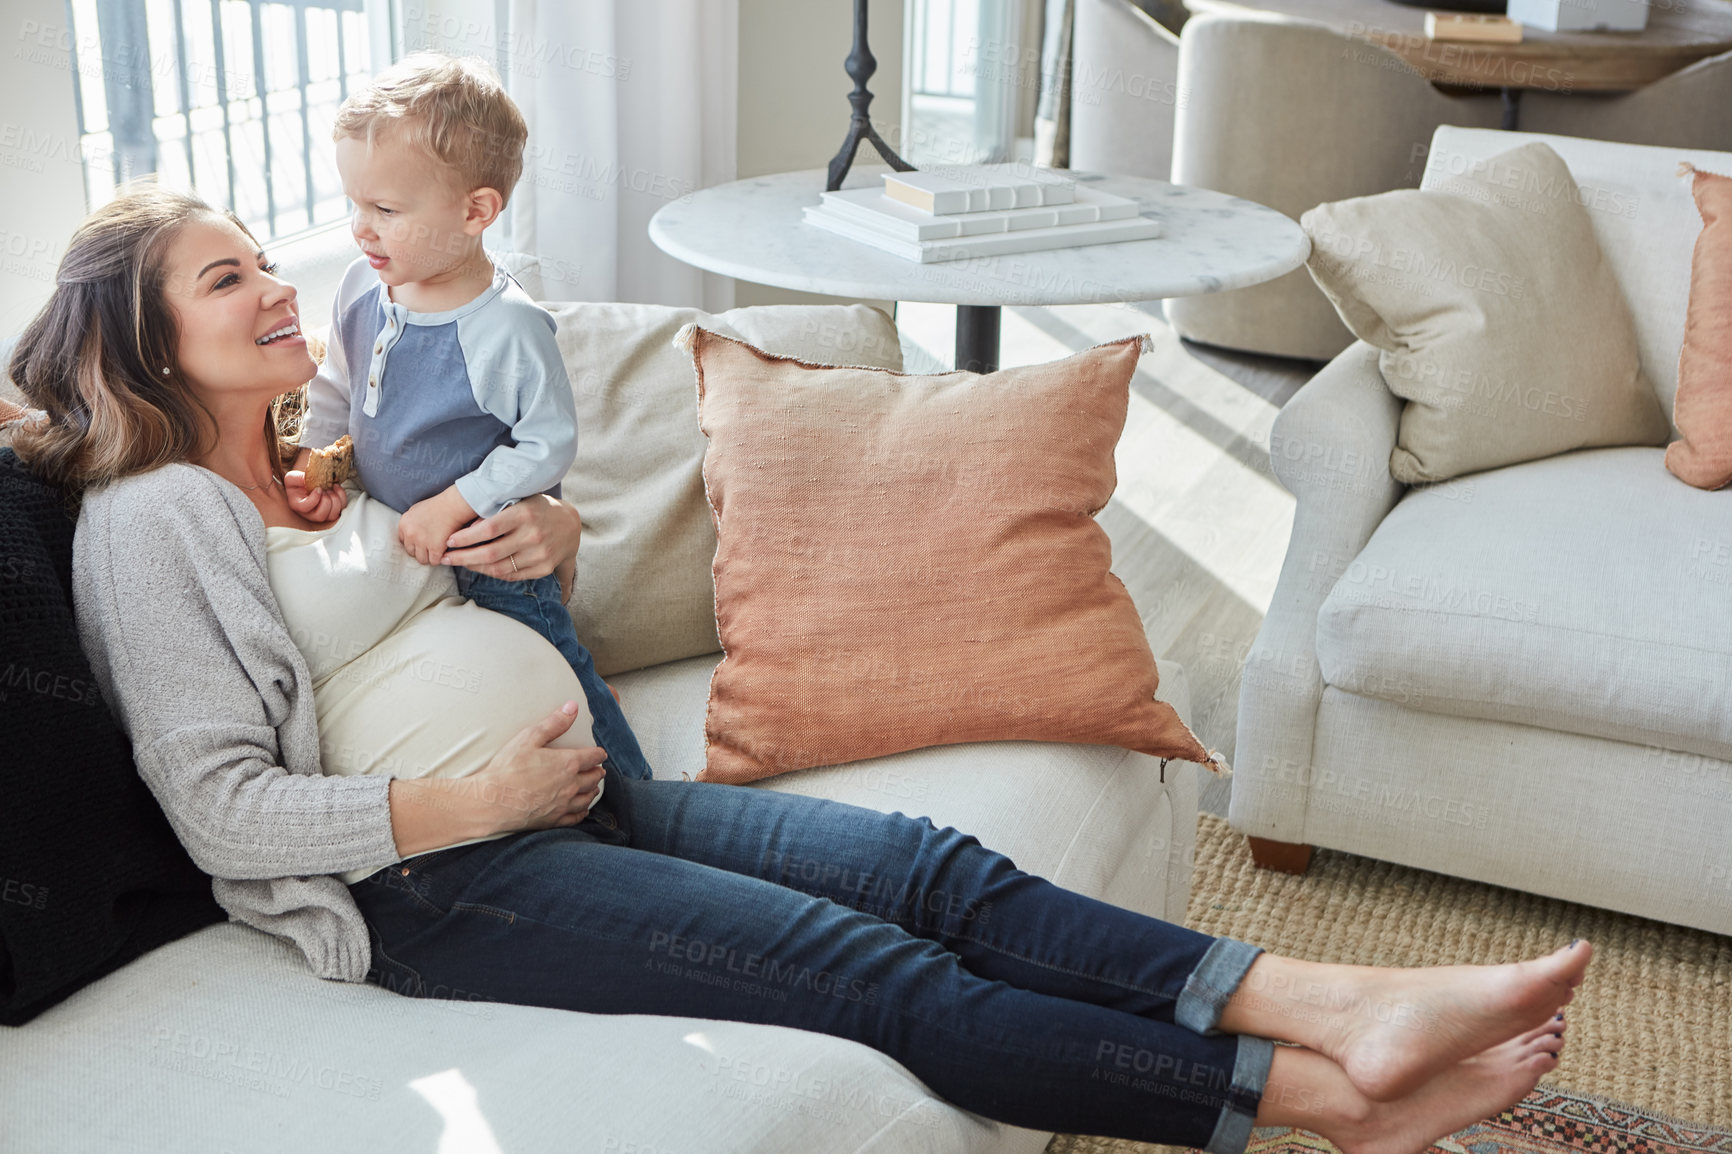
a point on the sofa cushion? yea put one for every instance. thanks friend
(1093, 818)
(1497, 318)
(226, 1041)
(1642, 215)
(1584, 593)
(643, 592)
(1702, 455)
(908, 561)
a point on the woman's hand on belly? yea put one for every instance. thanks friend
(527, 785)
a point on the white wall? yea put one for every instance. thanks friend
(41, 179)
(794, 93)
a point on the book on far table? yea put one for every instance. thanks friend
(1086, 216)
(871, 208)
(946, 189)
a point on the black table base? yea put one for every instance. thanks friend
(977, 337)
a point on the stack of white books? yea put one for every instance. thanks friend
(953, 213)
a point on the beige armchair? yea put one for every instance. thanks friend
(1290, 115)
(1691, 108)
(1124, 90)
(1282, 112)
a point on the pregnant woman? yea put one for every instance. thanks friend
(403, 785)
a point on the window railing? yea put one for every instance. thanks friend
(234, 98)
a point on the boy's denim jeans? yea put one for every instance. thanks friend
(1005, 994)
(536, 603)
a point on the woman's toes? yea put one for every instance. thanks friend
(1551, 1028)
(1576, 955)
(1465, 1010)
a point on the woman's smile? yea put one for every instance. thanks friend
(287, 334)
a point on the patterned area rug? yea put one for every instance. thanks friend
(1652, 1024)
(1546, 1122)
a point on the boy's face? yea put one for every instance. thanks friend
(410, 221)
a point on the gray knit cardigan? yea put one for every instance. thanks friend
(176, 614)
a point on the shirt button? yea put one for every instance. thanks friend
(372, 382)
(380, 347)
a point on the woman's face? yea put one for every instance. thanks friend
(240, 334)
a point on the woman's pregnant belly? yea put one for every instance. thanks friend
(443, 694)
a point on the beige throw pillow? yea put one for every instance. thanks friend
(644, 593)
(1500, 322)
(911, 561)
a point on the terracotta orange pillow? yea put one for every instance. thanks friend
(909, 561)
(1702, 455)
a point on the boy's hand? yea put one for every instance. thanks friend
(315, 504)
(425, 525)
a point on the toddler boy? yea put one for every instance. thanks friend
(439, 367)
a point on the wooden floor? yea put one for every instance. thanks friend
(1199, 525)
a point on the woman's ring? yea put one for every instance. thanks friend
(513, 560)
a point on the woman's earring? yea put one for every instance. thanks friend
(165, 370)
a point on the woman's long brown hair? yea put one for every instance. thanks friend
(93, 358)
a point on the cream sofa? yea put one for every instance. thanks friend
(1523, 676)
(223, 1041)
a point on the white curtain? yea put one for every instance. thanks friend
(631, 104)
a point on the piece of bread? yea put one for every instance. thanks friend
(332, 466)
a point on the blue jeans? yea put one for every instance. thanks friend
(1005, 994)
(536, 603)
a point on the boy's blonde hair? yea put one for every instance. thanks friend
(452, 108)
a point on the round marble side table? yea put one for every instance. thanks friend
(753, 230)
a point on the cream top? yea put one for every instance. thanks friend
(409, 679)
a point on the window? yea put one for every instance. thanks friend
(233, 98)
(971, 76)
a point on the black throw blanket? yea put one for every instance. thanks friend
(91, 875)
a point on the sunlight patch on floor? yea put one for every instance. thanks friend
(1230, 519)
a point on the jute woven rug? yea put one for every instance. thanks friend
(1651, 1027)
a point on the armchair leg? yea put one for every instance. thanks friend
(1281, 856)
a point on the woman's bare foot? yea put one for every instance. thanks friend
(1309, 1091)
(1392, 1030)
